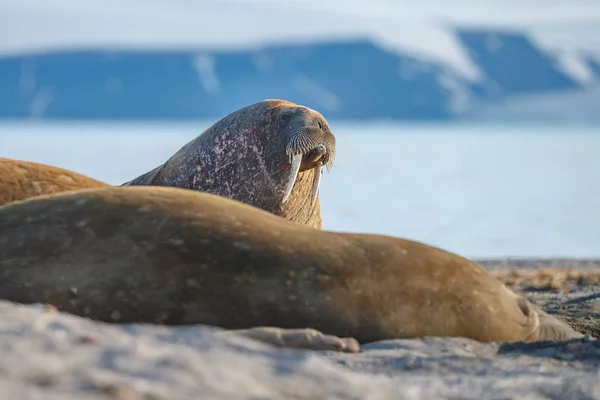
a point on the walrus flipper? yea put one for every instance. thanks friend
(552, 328)
(145, 179)
(303, 338)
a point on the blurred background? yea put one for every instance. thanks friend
(470, 125)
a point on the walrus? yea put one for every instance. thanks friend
(269, 154)
(177, 257)
(20, 180)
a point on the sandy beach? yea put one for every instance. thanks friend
(51, 355)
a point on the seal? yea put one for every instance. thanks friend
(175, 256)
(269, 155)
(20, 180)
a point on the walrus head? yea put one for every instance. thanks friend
(309, 144)
(256, 155)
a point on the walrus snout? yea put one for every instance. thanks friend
(310, 145)
(314, 158)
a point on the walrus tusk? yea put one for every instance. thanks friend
(316, 183)
(296, 160)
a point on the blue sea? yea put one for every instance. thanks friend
(477, 190)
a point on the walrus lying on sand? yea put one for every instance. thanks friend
(174, 256)
(281, 136)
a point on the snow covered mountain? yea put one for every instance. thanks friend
(183, 59)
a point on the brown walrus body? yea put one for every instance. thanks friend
(174, 256)
(269, 154)
(20, 180)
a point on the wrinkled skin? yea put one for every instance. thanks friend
(173, 256)
(269, 155)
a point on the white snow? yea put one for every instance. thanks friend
(574, 66)
(205, 67)
(263, 62)
(40, 102)
(460, 98)
(573, 106)
(326, 99)
(422, 27)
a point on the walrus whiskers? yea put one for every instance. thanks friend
(304, 143)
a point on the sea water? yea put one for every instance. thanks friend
(478, 190)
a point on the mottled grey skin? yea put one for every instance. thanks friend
(246, 156)
(174, 256)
